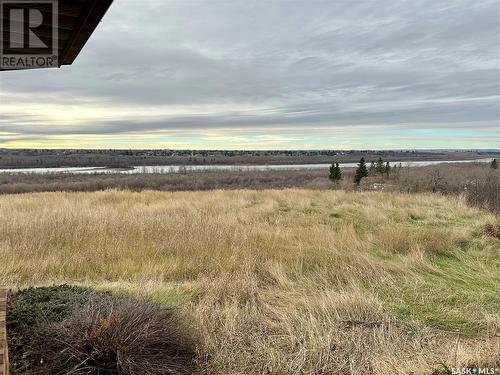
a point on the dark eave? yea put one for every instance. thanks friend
(90, 16)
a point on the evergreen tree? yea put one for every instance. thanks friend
(372, 167)
(335, 172)
(387, 168)
(380, 166)
(494, 164)
(361, 171)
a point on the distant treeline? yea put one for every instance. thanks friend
(39, 158)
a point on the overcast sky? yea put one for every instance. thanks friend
(269, 75)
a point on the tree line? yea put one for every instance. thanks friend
(378, 167)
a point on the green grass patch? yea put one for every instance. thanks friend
(452, 293)
(173, 298)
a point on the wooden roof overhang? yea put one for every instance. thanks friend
(77, 20)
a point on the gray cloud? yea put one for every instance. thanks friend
(294, 64)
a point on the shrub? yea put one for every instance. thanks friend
(109, 335)
(484, 194)
(387, 169)
(29, 308)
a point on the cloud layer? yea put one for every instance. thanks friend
(270, 74)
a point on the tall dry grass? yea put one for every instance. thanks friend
(279, 282)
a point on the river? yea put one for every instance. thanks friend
(182, 168)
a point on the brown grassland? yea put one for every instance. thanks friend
(279, 282)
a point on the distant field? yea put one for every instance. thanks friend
(279, 282)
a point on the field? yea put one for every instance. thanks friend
(279, 282)
(479, 183)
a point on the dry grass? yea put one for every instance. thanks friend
(279, 282)
(113, 336)
(479, 183)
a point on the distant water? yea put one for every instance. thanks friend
(181, 168)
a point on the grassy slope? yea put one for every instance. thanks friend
(282, 282)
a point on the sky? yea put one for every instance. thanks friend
(265, 74)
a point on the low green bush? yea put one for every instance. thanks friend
(30, 308)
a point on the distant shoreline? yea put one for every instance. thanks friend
(123, 160)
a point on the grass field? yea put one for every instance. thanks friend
(279, 282)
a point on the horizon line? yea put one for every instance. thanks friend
(250, 150)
